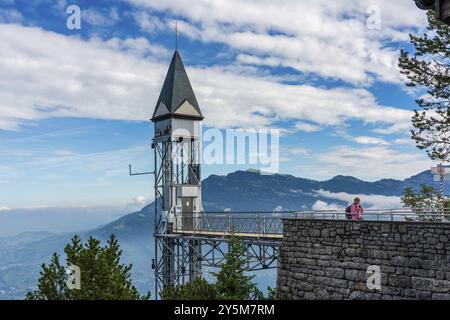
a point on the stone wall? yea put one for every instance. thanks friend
(324, 259)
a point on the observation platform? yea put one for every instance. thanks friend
(269, 225)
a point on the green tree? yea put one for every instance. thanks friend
(423, 202)
(429, 68)
(197, 289)
(103, 277)
(273, 294)
(233, 283)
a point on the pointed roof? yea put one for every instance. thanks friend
(177, 99)
(425, 4)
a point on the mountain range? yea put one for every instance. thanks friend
(21, 255)
(252, 191)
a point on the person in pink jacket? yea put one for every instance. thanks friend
(356, 210)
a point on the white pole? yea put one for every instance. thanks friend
(441, 191)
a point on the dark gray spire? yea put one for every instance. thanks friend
(177, 99)
(425, 4)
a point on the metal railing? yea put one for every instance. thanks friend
(269, 224)
(253, 225)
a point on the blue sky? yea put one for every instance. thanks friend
(75, 104)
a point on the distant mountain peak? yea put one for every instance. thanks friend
(345, 178)
(341, 176)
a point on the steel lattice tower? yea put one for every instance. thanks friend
(177, 144)
(185, 238)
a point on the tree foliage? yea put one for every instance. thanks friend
(197, 289)
(103, 277)
(232, 281)
(429, 68)
(424, 202)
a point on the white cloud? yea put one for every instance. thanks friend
(322, 205)
(300, 151)
(278, 209)
(402, 126)
(5, 209)
(140, 200)
(147, 22)
(97, 17)
(368, 201)
(370, 140)
(405, 141)
(307, 127)
(369, 163)
(66, 78)
(329, 39)
(259, 102)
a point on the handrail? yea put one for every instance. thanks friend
(266, 224)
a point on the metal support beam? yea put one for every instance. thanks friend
(192, 253)
(195, 257)
(168, 260)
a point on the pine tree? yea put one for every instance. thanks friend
(429, 68)
(233, 282)
(103, 277)
(197, 289)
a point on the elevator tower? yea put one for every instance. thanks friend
(177, 150)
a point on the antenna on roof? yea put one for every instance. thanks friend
(176, 35)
